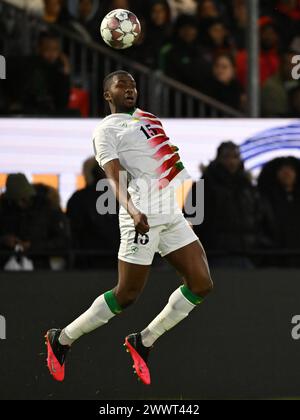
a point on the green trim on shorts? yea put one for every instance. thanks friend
(195, 300)
(112, 302)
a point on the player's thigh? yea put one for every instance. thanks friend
(132, 278)
(190, 261)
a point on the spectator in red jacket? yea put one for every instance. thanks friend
(269, 59)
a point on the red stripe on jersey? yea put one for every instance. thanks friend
(152, 121)
(141, 113)
(163, 151)
(160, 131)
(148, 117)
(164, 182)
(158, 140)
(168, 164)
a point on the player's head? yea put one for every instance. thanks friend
(229, 157)
(120, 91)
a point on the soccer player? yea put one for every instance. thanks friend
(134, 142)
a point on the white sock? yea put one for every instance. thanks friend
(97, 315)
(177, 309)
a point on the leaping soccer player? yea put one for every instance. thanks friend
(133, 141)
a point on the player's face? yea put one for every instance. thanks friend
(122, 93)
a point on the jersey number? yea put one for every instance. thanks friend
(149, 132)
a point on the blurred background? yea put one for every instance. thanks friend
(220, 73)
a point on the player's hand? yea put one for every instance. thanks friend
(141, 223)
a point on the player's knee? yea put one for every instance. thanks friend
(208, 287)
(203, 287)
(127, 298)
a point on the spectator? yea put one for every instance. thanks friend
(275, 93)
(234, 214)
(158, 30)
(239, 20)
(269, 53)
(29, 220)
(47, 88)
(217, 39)
(206, 11)
(184, 59)
(279, 183)
(287, 15)
(90, 230)
(223, 85)
(53, 12)
(87, 17)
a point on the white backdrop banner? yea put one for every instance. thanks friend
(59, 146)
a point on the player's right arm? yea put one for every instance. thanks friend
(115, 175)
(106, 153)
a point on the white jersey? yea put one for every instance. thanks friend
(152, 163)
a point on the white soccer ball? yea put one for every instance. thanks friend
(120, 29)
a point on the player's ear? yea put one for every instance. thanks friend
(107, 96)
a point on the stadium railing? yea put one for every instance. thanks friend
(90, 61)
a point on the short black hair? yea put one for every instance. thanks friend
(108, 79)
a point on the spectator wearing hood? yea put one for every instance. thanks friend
(235, 219)
(29, 219)
(279, 184)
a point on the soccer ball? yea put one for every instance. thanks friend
(120, 29)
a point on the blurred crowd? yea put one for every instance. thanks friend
(198, 42)
(246, 224)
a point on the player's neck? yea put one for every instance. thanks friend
(129, 111)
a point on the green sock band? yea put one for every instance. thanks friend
(195, 300)
(112, 302)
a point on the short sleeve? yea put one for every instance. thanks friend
(105, 146)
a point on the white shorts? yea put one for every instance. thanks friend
(140, 249)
